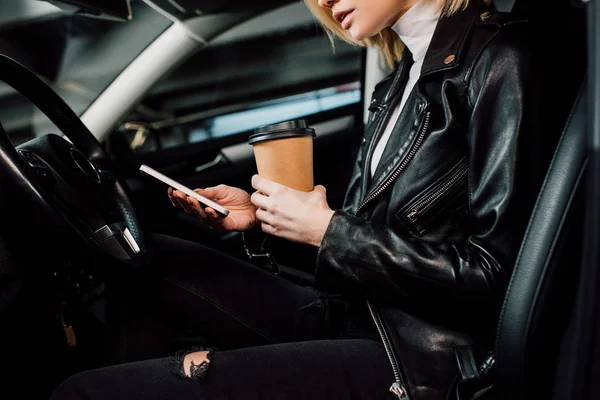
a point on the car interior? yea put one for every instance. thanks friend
(104, 87)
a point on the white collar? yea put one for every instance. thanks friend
(416, 27)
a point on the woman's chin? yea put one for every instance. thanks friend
(359, 35)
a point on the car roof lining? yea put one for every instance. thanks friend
(183, 10)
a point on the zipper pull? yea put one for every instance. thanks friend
(398, 390)
(413, 214)
(374, 110)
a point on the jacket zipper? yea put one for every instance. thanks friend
(403, 165)
(398, 388)
(377, 135)
(379, 129)
(426, 204)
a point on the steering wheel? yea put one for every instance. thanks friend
(70, 180)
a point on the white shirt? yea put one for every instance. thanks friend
(415, 29)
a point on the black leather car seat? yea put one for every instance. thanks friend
(541, 291)
(540, 295)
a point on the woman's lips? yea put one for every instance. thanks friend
(346, 21)
(342, 18)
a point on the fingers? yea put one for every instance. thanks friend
(194, 208)
(260, 200)
(214, 220)
(265, 186)
(209, 193)
(180, 199)
(264, 216)
(191, 206)
(212, 214)
(172, 199)
(266, 228)
(320, 188)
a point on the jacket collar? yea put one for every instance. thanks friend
(447, 43)
(448, 40)
(447, 46)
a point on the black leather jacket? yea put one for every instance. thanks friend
(432, 238)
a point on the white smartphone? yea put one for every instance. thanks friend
(176, 185)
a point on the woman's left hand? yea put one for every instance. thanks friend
(287, 213)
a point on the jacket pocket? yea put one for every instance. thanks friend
(443, 194)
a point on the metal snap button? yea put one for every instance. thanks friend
(449, 59)
(364, 141)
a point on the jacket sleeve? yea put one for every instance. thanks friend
(502, 188)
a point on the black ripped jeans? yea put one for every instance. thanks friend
(275, 339)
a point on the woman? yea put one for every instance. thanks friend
(410, 272)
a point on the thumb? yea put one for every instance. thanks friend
(210, 192)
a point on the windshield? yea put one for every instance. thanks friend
(78, 56)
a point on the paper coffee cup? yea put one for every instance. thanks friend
(284, 153)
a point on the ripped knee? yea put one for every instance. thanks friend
(192, 364)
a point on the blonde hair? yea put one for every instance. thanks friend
(387, 41)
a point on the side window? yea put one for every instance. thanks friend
(244, 81)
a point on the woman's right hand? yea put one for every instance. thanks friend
(242, 213)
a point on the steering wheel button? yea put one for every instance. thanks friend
(32, 159)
